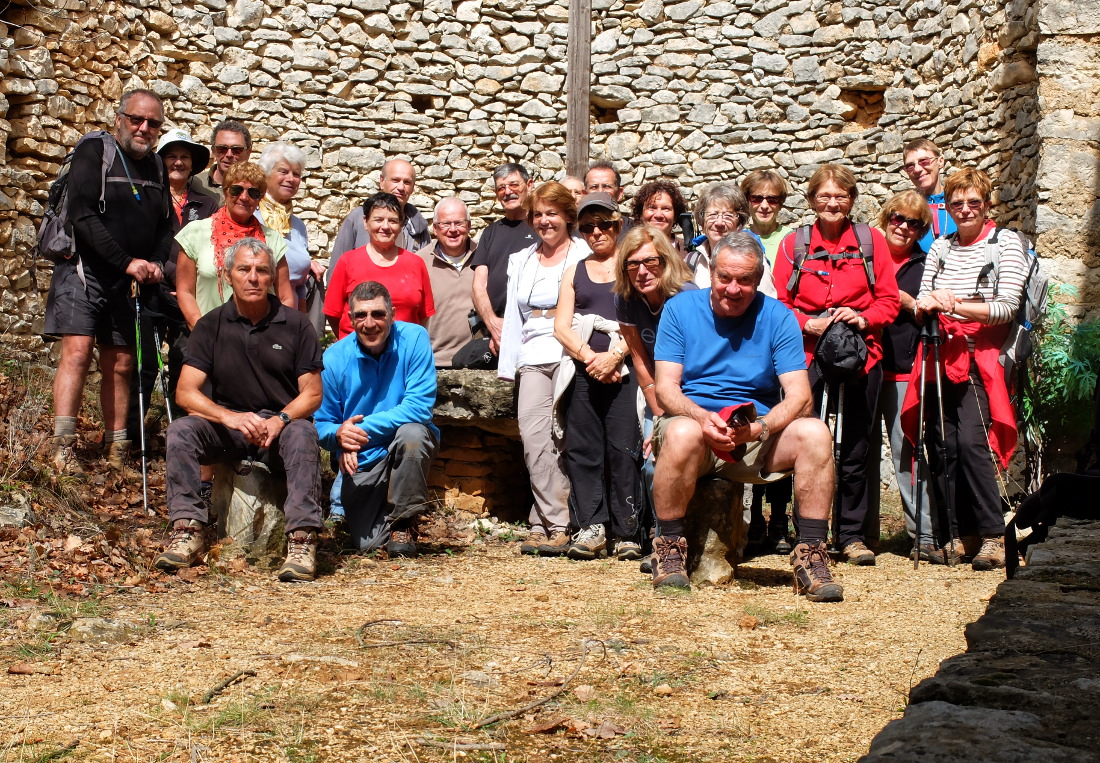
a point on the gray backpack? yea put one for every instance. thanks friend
(56, 241)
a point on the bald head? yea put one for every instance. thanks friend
(398, 178)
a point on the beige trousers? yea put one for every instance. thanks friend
(541, 453)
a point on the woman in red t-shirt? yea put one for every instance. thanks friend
(399, 270)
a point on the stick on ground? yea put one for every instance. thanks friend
(224, 685)
(538, 702)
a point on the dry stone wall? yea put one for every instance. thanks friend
(698, 91)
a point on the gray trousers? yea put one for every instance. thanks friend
(541, 453)
(389, 490)
(193, 441)
(901, 451)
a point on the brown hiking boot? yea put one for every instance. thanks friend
(64, 458)
(530, 547)
(928, 553)
(301, 557)
(556, 545)
(991, 556)
(185, 546)
(669, 560)
(954, 552)
(811, 573)
(857, 553)
(117, 454)
(402, 542)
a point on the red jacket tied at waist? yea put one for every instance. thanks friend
(955, 355)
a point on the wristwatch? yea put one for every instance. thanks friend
(763, 430)
(283, 417)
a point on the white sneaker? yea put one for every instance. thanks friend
(589, 543)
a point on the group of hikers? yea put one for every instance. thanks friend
(645, 357)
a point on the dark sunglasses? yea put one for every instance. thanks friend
(237, 190)
(378, 315)
(759, 198)
(235, 150)
(649, 262)
(136, 121)
(899, 220)
(604, 225)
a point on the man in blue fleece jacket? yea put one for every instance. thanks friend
(376, 416)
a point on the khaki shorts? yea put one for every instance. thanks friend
(749, 469)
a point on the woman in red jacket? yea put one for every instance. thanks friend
(831, 271)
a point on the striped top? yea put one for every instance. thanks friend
(958, 267)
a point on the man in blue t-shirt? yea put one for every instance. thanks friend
(718, 349)
(923, 162)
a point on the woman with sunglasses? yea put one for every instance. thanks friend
(720, 209)
(403, 273)
(531, 356)
(975, 305)
(838, 281)
(904, 220)
(766, 192)
(201, 281)
(603, 439)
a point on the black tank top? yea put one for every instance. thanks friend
(594, 298)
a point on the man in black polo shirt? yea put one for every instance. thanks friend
(508, 235)
(262, 365)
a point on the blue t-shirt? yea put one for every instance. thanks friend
(730, 360)
(942, 223)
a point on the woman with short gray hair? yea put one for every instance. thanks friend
(720, 210)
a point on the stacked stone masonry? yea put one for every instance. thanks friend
(697, 91)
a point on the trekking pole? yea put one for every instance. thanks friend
(918, 455)
(162, 374)
(838, 438)
(935, 339)
(135, 293)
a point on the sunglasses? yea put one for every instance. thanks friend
(361, 315)
(604, 225)
(959, 206)
(899, 220)
(650, 263)
(237, 190)
(759, 198)
(235, 150)
(136, 121)
(926, 162)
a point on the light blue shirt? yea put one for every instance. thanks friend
(942, 223)
(394, 388)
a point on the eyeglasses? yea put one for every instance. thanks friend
(237, 190)
(235, 150)
(959, 206)
(452, 225)
(759, 198)
(589, 228)
(926, 162)
(136, 121)
(840, 198)
(650, 263)
(361, 315)
(720, 217)
(899, 220)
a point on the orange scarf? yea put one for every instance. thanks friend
(224, 232)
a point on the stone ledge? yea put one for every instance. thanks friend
(1028, 686)
(478, 399)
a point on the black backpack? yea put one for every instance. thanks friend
(802, 252)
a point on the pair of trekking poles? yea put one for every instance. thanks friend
(162, 376)
(930, 337)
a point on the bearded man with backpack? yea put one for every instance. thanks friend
(112, 205)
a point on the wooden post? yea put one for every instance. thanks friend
(578, 83)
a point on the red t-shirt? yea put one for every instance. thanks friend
(407, 280)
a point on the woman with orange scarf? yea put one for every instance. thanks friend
(975, 304)
(201, 280)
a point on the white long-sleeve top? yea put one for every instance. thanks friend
(953, 266)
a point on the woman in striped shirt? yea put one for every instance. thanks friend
(974, 281)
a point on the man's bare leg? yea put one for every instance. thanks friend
(68, 384)
(683, 451)
(116, 363)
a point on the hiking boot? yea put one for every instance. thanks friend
(646, 567)
(185, 546)
(301, 557)
(117, 454)
(991, 556)
(928, 553)
(530, 546)
(777, 533)
(811, 573)
(628, 550)
(669, 560)
(64, 458)
(858, 554)
(589, 543)
(556, 545)
(954, 552)
(402, 543)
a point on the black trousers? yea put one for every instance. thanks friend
(860, 401)
(603, 454)
(175, 335)
(969, 477)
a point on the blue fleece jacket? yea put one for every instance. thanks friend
(396, 387)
